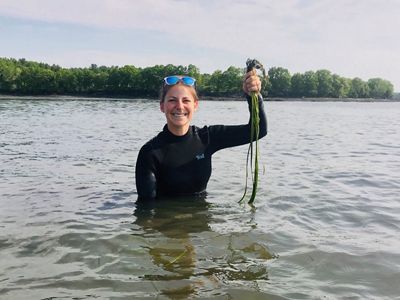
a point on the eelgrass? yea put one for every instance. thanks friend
(188, 249)
(178, 257)
(252, 152)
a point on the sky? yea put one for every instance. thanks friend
(351, 38)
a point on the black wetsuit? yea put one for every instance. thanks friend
(170, 165)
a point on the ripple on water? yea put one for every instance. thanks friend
(324, 226)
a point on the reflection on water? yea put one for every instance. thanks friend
(177, 220)
(174, 217)
(325, 223)
(184, 225)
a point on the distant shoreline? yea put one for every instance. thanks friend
(205, 98)
(304, 99)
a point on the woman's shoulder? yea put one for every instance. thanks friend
(205, 132)
(211, 129)
(197, 129)
(201, 131)
(208, 130)
(153, 143)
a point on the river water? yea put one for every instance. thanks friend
(325, 224)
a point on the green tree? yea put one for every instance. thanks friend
(36, 81)
(280, 80)
(380, 88)
(100, 79)
(66, 81)
(232, 80)
(9, 72)
(151, 80)
(298, 85)
(324, 83)
(193, 71)
(310, 84)
(340, 86)
(84, 80)
(28, 77)
(358, 88)
(265, 86)
(213, 85)
(226, 83)
(204, 88)
(124, 81)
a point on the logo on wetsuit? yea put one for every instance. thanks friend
(200, 156)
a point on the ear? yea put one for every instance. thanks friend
(162, 106)
(196, 104)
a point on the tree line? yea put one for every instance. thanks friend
(22, 77)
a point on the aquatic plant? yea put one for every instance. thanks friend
(252, 152)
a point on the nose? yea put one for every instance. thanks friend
(179, 104)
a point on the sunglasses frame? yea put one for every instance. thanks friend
(180, 79)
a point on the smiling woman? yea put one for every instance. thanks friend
(179, 102)
(178, 160)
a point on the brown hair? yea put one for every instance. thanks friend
(165, 88)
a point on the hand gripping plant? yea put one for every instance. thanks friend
(253, 152)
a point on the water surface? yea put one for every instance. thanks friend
(325, 225)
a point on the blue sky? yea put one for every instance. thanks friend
(353, 38)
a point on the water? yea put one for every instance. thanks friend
(325, 226)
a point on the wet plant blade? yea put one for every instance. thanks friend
(253, 64)
(256, 128)
(252, 152)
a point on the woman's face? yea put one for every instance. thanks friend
(178, 106)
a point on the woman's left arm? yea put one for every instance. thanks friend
(225, 136)
(229, 136)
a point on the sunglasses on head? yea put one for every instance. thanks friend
(186, 80)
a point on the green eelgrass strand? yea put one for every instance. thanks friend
(252, 153)
(256, 123)
(178, 257)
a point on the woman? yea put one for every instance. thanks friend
(178, 160)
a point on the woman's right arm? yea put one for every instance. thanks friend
(146, 183)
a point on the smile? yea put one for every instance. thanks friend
(179, 115)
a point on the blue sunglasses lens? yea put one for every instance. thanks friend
(171, 80)
(188, 80)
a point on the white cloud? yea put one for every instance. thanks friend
(349, 37)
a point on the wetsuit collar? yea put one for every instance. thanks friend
(176, 138)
